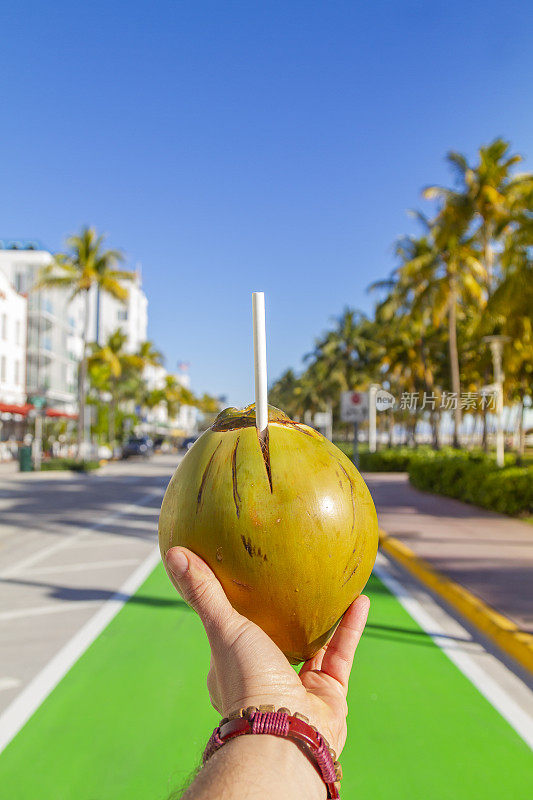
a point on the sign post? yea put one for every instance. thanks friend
(354, 408)
(39, 402)
(372, 436)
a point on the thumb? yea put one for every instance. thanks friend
(201, 589)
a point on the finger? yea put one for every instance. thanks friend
(338, 658)
(314, 663)
(200, 588)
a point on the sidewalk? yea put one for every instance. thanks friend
(8, 468)
(486, 553)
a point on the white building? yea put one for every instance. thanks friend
(106, 314)
(55, 325)
(53, 339)
(13, 312)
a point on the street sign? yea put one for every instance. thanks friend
(384, 400)
(354, 406)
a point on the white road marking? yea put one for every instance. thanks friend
(119, 562)
(69, 538)
(9, 683)
(26, 703)
(456, 652)
(37, 611)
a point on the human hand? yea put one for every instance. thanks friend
(248, 669)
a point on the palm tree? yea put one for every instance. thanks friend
(442, 272)
(86, 265)
(173, 395)
(510, 313)
(149, 355)
(111, 364)
(349, 350)
(282, 394)
(488, 189)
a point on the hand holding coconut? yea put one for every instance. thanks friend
(270, 533)
(248, 669)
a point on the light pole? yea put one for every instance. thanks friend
(496, 348)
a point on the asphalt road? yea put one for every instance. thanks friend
(68, 543)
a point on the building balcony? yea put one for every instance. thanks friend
(40, 354)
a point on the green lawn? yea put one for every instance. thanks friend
(130, 720)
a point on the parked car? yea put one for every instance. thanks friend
(138, 446)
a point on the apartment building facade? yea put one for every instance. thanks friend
(53, 330)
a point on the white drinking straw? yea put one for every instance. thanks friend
(260, 362)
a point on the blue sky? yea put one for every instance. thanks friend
(232, 147)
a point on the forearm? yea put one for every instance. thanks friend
(255, 767)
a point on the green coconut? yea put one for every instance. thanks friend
(287, 525)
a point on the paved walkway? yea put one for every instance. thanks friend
(487, 553)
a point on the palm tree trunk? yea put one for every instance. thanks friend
(484, 435)
(488, 255)
(435, 420)
(82, 379)
(454, 362)
(112, 416)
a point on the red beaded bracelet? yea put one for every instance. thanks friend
(266, 719)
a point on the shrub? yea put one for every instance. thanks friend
(394, 459)
(69, 464)
(391, 460)
(475, 478)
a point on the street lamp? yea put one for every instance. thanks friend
(496, 348)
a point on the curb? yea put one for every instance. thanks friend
(501, 630)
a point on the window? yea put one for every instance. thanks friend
(3, 369)
(17, 372)
(122, 315)
(17, 332)
(4, 326)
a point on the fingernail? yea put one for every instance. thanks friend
(179, 564)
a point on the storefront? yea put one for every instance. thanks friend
(17, 421)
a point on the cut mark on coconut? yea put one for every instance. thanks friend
(204, 477)
(243, 585)
(252, 550)
(236, 495)
(354, 570)
(265, 452)
(352, 494)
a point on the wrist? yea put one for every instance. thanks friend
(275, 767)
(267, 721)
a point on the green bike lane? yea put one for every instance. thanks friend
(130, 719)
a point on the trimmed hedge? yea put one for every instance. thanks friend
(476, 479)
(69, 464)
(394, 459)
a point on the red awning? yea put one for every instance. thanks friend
(10, 408)
(56, 412)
